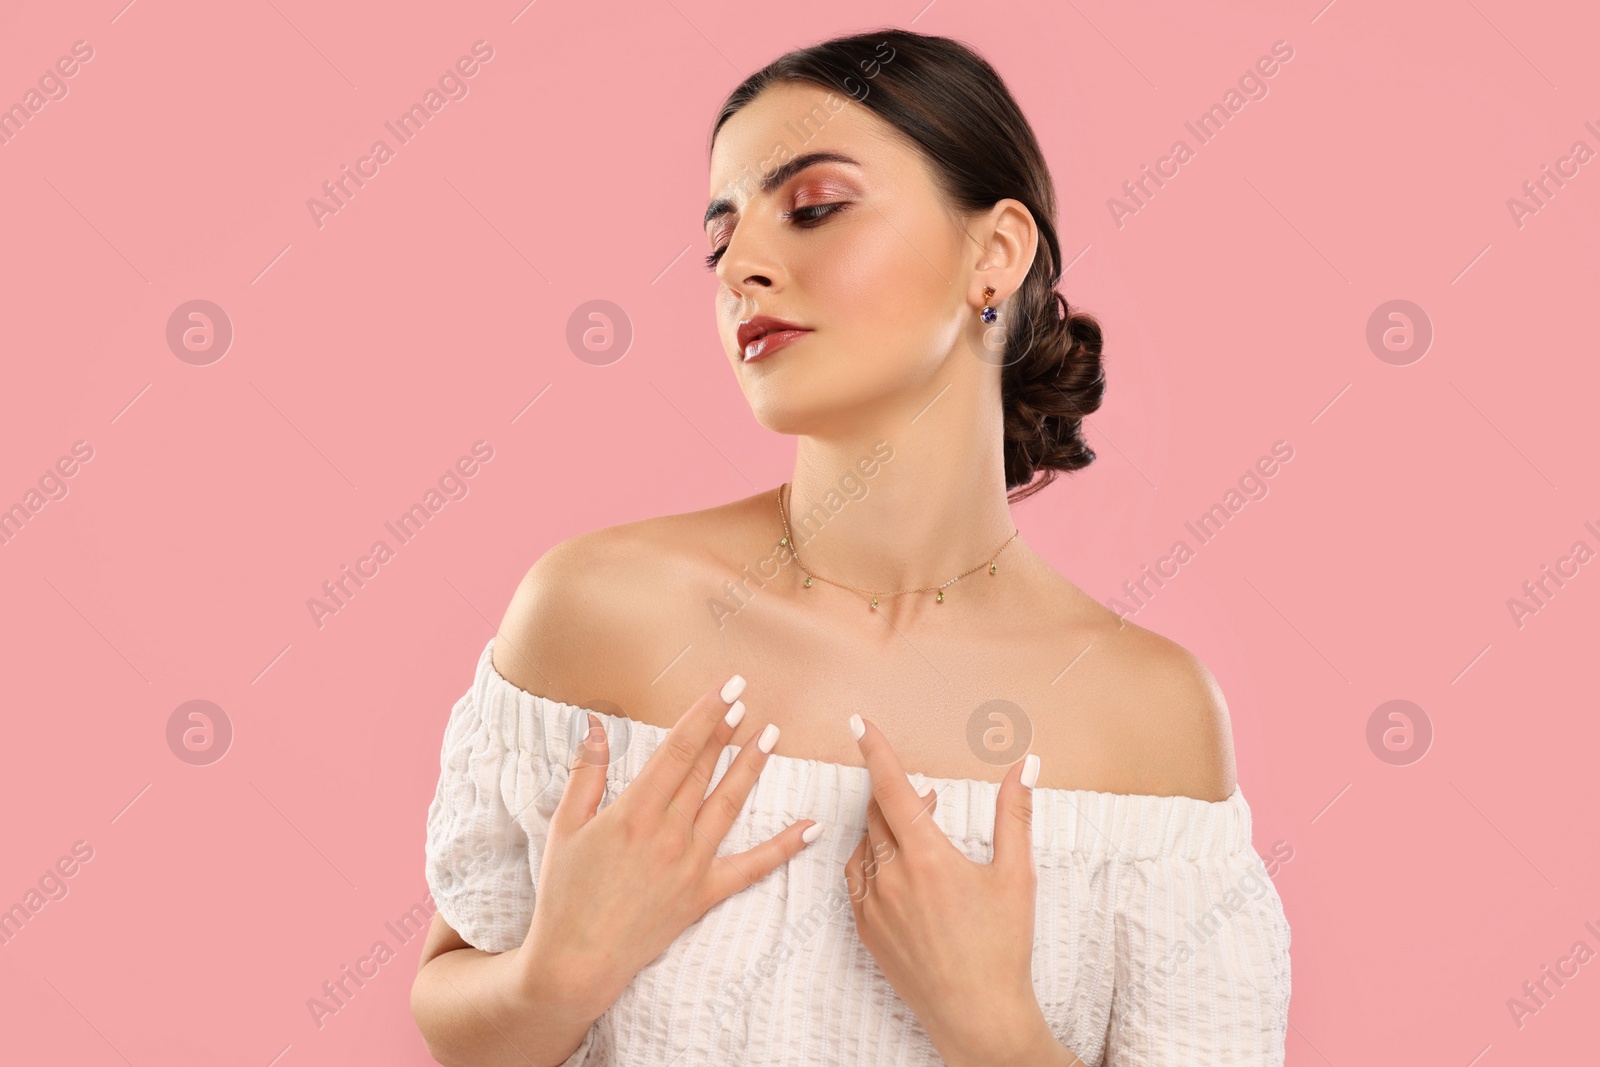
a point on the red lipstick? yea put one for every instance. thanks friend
(763, 335)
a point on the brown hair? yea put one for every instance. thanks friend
(949, 102)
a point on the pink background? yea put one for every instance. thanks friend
(369, 354)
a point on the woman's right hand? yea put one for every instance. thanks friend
(616, 888)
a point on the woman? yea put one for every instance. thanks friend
(1030, 847)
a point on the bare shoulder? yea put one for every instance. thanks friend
(1158, 718)
(1178, 715)
(595, 616)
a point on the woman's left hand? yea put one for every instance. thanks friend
(953, 937)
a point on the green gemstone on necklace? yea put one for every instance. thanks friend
(808, 581)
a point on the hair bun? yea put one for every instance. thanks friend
(1047, 390)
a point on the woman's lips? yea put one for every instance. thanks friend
(768, 343)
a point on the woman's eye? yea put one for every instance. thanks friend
(803, 216)
(813, 213)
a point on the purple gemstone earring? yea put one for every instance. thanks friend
(989, 314)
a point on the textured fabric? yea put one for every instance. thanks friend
(1159, 937)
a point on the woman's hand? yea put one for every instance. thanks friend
(616, 888)
(953, 937)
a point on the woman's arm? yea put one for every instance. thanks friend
(485, 1009)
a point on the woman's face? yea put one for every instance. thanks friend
(878, 273)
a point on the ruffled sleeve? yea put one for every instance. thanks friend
(480, 868)
(494, 777)
(1202, 959)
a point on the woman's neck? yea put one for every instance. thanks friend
(885, 515)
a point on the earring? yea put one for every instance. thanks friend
(989, 314)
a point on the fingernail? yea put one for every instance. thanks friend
(735, 713)
(1030, 770)
(811, 833)
(732, 688)
(769, 737)
(857, 727)
(922, 791)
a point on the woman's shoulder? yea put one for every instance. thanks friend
(1160, 714)
(619, 588)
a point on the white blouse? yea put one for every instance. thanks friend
(1159, 938)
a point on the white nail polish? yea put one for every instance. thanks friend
(735, 713)
(811, 833)
(1030, 770)
(857, 727)
(769, 737)
(732, 688)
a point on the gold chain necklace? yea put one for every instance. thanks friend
(789, 541)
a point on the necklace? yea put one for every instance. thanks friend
(789, 541)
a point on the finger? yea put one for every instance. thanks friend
(1013, 817)
(928, 797)
(729, 874)
(879, 834)
(586, 778)
(857, 881)
(664, 772)
(718, 811)
(929, 800)
(692, 793)
(890, 785)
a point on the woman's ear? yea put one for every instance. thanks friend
(1009, 239)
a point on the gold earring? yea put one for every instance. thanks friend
(989, 313)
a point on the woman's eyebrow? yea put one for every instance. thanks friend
(719, 208)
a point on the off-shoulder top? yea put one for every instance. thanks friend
(1159, 937)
